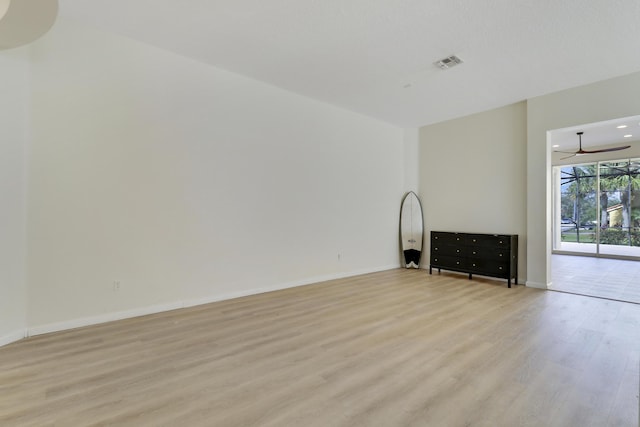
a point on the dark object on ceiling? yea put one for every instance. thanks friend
(581, 151)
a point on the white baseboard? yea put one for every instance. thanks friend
(103, 318)
(537, 285)
(143, 311)
(13, 337)
(282, 286)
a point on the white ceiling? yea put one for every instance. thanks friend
(600, 134)
(375, 57)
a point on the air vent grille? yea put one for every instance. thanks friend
(448, 62)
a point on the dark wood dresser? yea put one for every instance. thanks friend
(493, 255)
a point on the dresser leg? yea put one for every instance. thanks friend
(509, 281)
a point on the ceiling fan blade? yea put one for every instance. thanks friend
(606, 150)
(581, 151)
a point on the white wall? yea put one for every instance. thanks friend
(606, 100)
(411, 159)
(14, 72)
(188, 184)
(473, 175)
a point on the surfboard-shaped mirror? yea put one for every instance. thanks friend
(411, 230)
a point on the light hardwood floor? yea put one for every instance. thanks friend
(396, 348)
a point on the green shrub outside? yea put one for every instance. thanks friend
(609, 236)
(618, 236)
(614, 236)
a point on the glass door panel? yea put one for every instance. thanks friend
(619, 215)
(597, 208)
(578, 216)
(634, 169)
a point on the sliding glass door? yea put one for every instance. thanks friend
(597, 208)
(620, 207)
(576, 209)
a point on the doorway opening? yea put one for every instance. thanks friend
(596, 211)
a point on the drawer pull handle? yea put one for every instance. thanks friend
(458, 250)
(457, 262)
(500, 254)
(500, 268)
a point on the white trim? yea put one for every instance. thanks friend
(143, 311)
(13, 337)
(103, 318)
(537, 285)
(282, 286)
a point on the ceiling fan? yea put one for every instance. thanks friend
(581, 151)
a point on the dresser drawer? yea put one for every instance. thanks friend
(448, 239)
(444, 249)
(489, 240)
(444, 261)
(489, 267)
(485, 252)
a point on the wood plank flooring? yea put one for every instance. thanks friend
(396, 348)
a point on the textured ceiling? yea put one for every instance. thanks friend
(375, 57)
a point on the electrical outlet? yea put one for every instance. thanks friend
(339, 257)
(116, 285)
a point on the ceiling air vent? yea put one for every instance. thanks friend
(448, 62)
